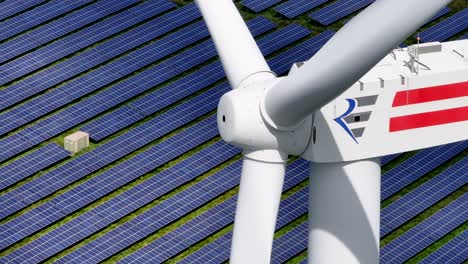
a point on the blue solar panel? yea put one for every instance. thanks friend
(37, 16)
(119, 93)
(427, 232)
(72, 43)
(40, 14)
(423, 197)
(183, 87)
(454, 251)
(101, 77)
(9, 8)
(117, 207)
(119, 147)
(60, 27)
(294, 8)
(439, 14)
(418, 165)
(159, 215)
(218, 217)
(290, 244)
(447, 28)
(101, 53)
(152, 130)
(338, 10)
(385, 160)
(259, 5)
(30, 164)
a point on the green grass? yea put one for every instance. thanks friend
(281, 21)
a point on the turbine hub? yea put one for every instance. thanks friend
(241, 123)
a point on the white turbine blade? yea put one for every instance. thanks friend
(234, 43)
(353, 51)
(256, 212)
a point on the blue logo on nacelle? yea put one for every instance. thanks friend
(339, 120)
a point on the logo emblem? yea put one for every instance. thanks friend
(342, 123)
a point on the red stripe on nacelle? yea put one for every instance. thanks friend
(428, 119)
(429, 94)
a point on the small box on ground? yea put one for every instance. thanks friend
(76, 142)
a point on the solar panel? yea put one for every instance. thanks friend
(259, 5)
(200, 79)
(117, 207)
(101, 53)
(91, 58)
(30, 164)
(427, 232)
(338, 10)
(418, 165)
(423, 197)
(40, 14)
(454, 251)
(119, 147)
(72, 43)
(178, 240)
(387, 159)
(102, 76)
(136, 138)
(119, 93)
(58, 28)
(439, 14)
(218, 217)
(159, 215)
(10, 8)
(106, 182)
(294, 8)
(446, 28)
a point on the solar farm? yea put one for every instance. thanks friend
(157, 184)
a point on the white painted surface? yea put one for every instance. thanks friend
(344, 212)
(237, 49)
(334, 144)
(257, 208)
(76, 141)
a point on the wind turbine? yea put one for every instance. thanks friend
(307, 114)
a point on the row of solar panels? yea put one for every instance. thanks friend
(170, 245)
(162, 183)
(49, 102)
(79, 40)
(190, 110)
(343, 8)
(126, 143)
(30, 164)
(93, 218)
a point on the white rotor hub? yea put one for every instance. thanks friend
(241, 123)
